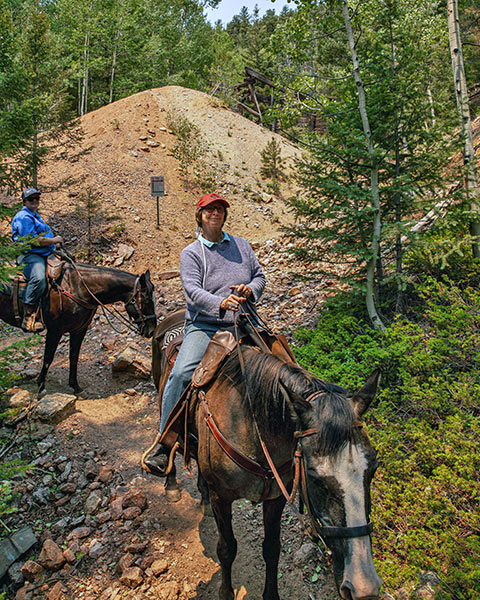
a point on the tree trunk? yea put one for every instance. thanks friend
(84, 95)
(432, 108)
(374, 246)
(398, 197)
(112, 73)
(461, 93)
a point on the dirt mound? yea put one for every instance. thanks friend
(127, 142)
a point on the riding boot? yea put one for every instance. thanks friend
(31, 323)
(157, 460)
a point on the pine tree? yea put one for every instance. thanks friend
(363, 180)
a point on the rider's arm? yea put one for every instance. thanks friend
(24, 225)
(46, 241)
(191, 272)
(257, 282)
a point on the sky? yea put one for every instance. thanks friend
(229, 8)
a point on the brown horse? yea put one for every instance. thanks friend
(72, 302)
(260, 410)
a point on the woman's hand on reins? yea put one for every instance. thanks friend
(242, 290)
(232, 302)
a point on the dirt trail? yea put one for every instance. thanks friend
(113, 426)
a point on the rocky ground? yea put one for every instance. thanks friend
(103, 528)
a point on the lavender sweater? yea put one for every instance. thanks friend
(231, 262)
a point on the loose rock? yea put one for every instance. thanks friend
(51, 557)
(132, 577)
(31, 570)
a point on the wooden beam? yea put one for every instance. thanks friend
(255, 101)
(256, 75)
(248, 109)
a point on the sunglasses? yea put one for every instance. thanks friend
(210, 209)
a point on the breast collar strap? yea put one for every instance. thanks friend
(240, 459)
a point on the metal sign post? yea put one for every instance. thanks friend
(157, 189)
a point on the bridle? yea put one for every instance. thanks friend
(318, 529)
(135, 300)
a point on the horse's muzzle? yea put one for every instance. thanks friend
(370, 590)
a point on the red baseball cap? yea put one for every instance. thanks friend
(209, 199)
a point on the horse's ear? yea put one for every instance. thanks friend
(145, 277)
(363, 397)
(296, 404)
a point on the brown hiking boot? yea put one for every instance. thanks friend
(31, 323)
(157, 461)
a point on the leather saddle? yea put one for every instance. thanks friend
(222, 344)
(54, 274)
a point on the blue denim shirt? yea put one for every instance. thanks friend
(26, 223)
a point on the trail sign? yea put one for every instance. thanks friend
(157, 189)
(157, 186)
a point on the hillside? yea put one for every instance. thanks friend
(127, 142)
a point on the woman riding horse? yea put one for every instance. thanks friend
(219, 272)
(28, 223)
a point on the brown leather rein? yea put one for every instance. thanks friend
(318, 529)
(239, 458)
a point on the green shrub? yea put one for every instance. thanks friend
(425, 426)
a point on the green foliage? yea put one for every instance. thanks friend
(33, 105)
(189, 147)
(425, 427)
(272, 163)
(7, 495)
(227, 68)
(89, 208)
(408, 113)
(11, 468)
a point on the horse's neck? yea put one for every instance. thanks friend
(106, 285)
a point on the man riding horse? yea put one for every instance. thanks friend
(28, 224)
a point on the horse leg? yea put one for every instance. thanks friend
(227, 544)
(172, 491)
(272, 514)
(76, 340)
(51, 342)
(205, 495)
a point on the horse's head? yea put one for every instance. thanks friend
(339, 466)
(141, 305)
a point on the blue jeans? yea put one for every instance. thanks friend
(195, 342)
(34, 269)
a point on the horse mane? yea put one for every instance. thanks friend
(331, 413)
(101, 269)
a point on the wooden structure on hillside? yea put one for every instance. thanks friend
(474, 96)
(251, 94)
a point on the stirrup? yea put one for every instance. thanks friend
(161, 462)
(30, 324)
(157, 463)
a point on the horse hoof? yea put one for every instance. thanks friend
(173, 495)
(42, 393)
